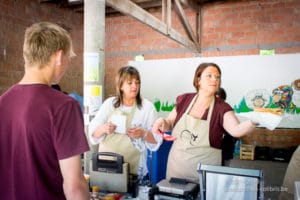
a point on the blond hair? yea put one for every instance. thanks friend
(42, 40)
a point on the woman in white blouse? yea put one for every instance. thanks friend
(123, 123)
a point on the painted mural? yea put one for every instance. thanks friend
(163, 106)
(271, 82)
(285, 97)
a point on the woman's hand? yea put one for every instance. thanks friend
(101, 130)
(136, 132)
(159, 124)
(164, 124)
(109, 128)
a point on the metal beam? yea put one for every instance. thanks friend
(191, 4)
(166, 9)
(185, 22)
(131, 9)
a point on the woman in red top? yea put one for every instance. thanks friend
(199, 121)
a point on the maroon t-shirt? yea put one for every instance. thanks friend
(39, 126)
(216, 129)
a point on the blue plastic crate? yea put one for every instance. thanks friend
(157, 162)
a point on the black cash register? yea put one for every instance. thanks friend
(175, 188)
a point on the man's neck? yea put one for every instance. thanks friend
(35, 75)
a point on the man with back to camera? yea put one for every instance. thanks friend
(41, 129)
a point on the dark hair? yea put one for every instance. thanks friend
(125, 73)
(199, 71)
(221, 93)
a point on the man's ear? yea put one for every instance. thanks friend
(58, 56)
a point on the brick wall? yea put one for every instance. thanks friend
(15, 16)
(228, 28)
(231, 28)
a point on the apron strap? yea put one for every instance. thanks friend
(121, 144)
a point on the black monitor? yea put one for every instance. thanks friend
(228, 183)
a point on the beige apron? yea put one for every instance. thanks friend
(121, 143)
(192, 146)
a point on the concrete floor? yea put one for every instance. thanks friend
(273, 172)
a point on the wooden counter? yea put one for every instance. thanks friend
(278, 138)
